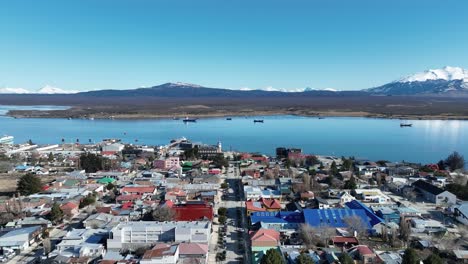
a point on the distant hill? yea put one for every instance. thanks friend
(184, 90)
(449, 81)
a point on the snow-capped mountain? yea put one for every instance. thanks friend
(48, 89)
(447, 80)
(8, 90)
(447, 73)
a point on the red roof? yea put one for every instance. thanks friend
(271, 203)
(342, 239)
(362, 249)
(138, 189)
(254, 206)
(127, 205)
(128, 197)
(193, 249)
(69, 205)
(264, 237)
(193, 212)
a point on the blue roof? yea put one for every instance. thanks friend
(277, 217)
(332, 217)
(373, 218)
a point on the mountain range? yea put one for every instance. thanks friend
(445, 81)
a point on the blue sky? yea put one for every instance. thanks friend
(117, 44)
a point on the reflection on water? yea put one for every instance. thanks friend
(5, 108)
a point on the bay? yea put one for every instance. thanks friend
(376, 139)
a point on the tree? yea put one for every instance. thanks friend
(110, 186)
(333, 169)
(455, 161)
(50, 158)
(433, 259)
(304, 258)
(88, 200)
(405, 230)
(224, 185)
(163, 214)
(347, 164)
(222, 211)
(351, 183)
(29, 184)
(222, 219)
(220, 161)
(56, 214)
(461, 191)
(92, 163)
(346, 259)
(356, 224)
(272, 256)
(410, 257)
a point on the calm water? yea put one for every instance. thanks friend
(426, 141)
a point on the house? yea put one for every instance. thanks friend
(82, 243)
(161, 254)
(128, 198)
(271, 205)
(434, 194)
(307, 195)
(389, 257)
(193, 211)
(388, 214)
(264, 239)
(139, 190)
(461, 213)
(132, 235)
(103, 220)
(363, 254)
(193, 253)
(19, 238)
(344, 241)
(70, 209)
(31, 221)
(175, 194)
(167, 164)
(253, 206)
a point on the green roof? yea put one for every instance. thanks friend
(106, 180)
(187, 164)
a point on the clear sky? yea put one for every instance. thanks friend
(117, 44)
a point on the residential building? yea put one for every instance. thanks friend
(434, 194)
(137, 234)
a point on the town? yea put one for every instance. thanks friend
(187, 202)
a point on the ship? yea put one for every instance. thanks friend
(258, 120)
(229, 118)
(189, 120)
(405, 125)
(6, 140)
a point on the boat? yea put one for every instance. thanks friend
(406, 125)
(189, 120)
(175, 118)
(228, 118)
(321, 117)
(258, 120)
(6, 140)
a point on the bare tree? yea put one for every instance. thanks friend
(405, 230)
(47, 246)
(162, 214)
(308, 236)
(356, 224)
(307, 181)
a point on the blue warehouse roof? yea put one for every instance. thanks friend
(332, 217)
(373, 218)
(277, 217)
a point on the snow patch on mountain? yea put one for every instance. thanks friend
(48, 89)
(9, 90)
(447, 73)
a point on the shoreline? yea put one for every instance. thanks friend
(34, 114)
